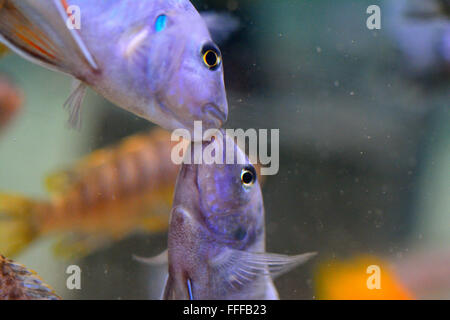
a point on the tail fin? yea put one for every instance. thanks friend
(16, 225)
(38, 31)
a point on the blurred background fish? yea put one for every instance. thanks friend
(347, 280)
(419, 275)
(19, 283)
(421, 32)
(154, 58)
(11, 100)
(105, 196)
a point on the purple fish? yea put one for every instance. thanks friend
(216, 247)
(154, 58)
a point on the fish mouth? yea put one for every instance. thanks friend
(213, 117)
(216, 116)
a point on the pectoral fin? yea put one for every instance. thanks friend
(74, 103)
(171, 290)
(245, 267)
(159, 260)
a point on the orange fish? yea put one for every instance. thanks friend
(19, 283)
(361, 278)
(11, 99)
(105, 196)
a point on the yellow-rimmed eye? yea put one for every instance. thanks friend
(211, 56)
(248, 176)
(211, 59)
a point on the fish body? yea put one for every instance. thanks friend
(154, 58)
(105, 196)
(216, 246)
(19, 283)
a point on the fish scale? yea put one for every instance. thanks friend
(19, 283)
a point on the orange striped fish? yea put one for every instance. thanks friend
(19, 283)
(105, 196)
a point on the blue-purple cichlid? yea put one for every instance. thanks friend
(154, 58)
(216, 247)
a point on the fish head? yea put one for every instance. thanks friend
(225, 198)
(186, 72)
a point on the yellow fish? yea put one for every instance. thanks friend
(355, 279)
(19, 283)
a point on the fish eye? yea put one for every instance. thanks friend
(212, 57)
(248, 176)
(160, 23)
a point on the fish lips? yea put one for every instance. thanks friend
(215, 116)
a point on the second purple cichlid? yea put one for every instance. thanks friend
(154, 58)
(216, 247)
